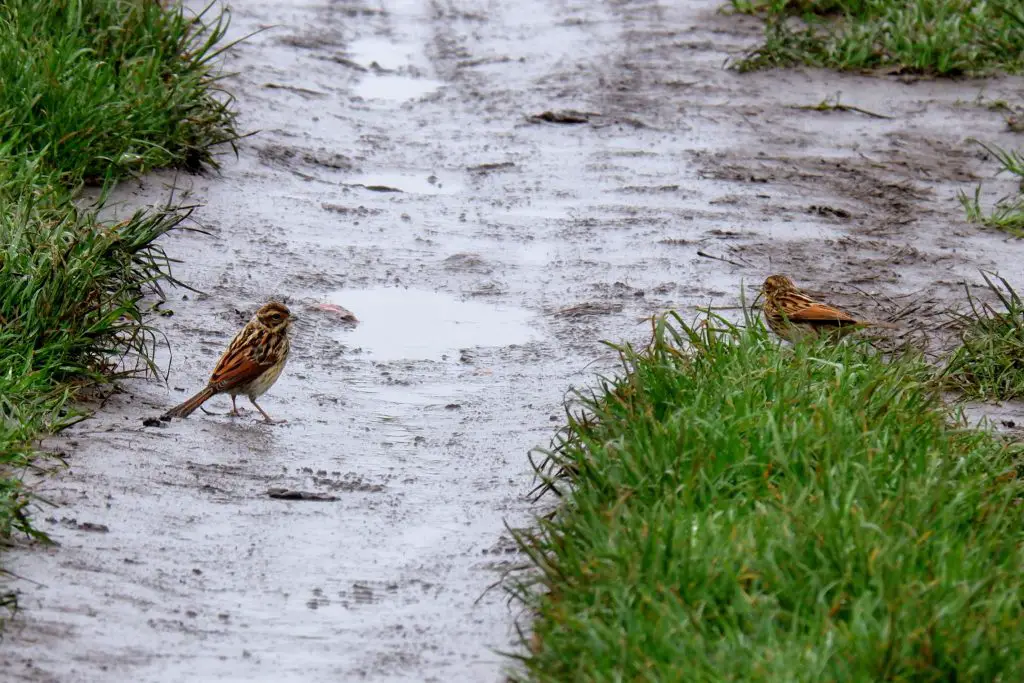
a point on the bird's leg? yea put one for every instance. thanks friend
(269, 420)
(234, 408)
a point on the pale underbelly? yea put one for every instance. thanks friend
(259, 386)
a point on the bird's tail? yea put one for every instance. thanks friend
(189, 406)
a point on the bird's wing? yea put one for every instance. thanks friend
(821, 313)
(237, 366)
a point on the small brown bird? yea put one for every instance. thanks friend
(794, 316)
(252, 363)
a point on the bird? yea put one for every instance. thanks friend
(794, 316)
(251, 364)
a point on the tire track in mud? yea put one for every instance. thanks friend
(396, 150)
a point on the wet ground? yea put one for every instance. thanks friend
(491, 189)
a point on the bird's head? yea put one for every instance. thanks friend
(777, 284)
(275, 317)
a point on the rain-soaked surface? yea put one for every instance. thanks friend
(399, 172)
(406, 324)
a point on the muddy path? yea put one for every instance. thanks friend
(398, 172)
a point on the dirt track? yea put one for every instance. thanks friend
(397, 172)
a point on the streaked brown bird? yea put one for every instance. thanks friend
(794, 316)
(252, 363)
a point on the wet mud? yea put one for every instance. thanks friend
(490, 189)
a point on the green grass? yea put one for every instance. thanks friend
(932, 37)
(1008, 213)
(90, 92)
(989, 364)
(737, 510)
(97, 89)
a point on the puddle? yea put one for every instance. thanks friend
(394, 88)
(378, 54)
(415, 182)
(400, 324)
(386, 53)
(418, 395)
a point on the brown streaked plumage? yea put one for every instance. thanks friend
(793, 315)
(251, 364)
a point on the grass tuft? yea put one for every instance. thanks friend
(733, 509)
(989, 364)
(101, 89)
(932, 37)
(1008, 213)
(92, 91)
